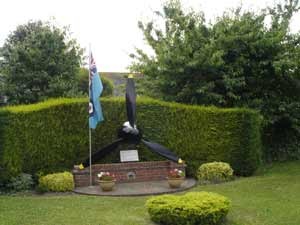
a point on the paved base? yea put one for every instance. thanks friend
(137, 188)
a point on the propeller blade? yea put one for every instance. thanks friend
(102, 152)
(130, 100)
(161, 150)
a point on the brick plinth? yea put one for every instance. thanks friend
(127, 172)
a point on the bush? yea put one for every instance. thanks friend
(53, 135)
(21, 182)
(193, 208)
(215, 172)
(58, 182)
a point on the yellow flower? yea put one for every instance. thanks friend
(180, 161)
(81, 166)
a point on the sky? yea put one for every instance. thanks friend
(109, 26)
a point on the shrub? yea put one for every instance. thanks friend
(21, 182)
(193, 208)
(215, 172)
(58, 182)
(53, 135)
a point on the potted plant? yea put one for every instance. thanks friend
(106, 181)
(175, 178)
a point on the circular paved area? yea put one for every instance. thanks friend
(137, 188)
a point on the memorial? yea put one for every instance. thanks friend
(130, 169)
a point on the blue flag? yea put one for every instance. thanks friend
(96, 87)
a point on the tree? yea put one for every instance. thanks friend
(240, 60)
(39, 60)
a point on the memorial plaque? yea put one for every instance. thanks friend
(129, 156)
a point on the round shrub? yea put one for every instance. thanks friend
(193, 208)
(58, 182)
(215, 172)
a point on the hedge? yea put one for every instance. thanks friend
(53, 135)
(193, 208)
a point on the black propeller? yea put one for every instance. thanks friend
(161, 150)
(130, 133)
(130, 101)
(104, 151)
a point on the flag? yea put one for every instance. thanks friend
(96, 87)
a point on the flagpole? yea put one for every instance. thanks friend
(90, 131)
(90, 137)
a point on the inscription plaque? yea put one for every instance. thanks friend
(129, 156)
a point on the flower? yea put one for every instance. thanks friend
(81, 167)
(176, 173)
(106, 176)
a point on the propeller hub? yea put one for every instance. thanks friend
(127, 128)
(130, 133)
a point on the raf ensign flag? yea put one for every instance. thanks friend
(96, 88)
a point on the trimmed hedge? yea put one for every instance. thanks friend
(53, 135)
(215, 172)
(57, 182)
(193, 208)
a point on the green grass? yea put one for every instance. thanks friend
(270, 198)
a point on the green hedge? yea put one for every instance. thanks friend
(205, 208)
(53, 135)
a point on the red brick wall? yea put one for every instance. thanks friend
(141, 171)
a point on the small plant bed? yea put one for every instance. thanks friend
(193, 208)
(175, 178)
(106, 181)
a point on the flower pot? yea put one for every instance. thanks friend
(107, 185)
(175, 182)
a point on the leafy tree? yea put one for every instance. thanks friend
(39, 60)
(240, 60)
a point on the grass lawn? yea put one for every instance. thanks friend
(270, 198)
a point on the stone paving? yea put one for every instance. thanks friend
(137, 188)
